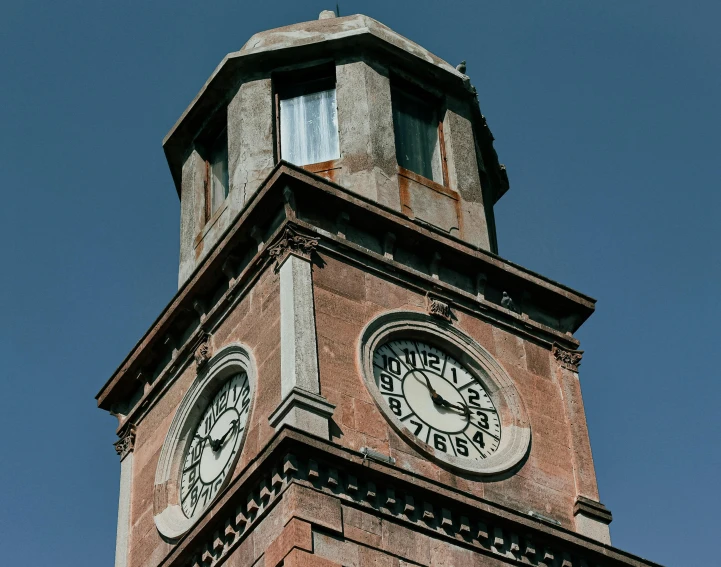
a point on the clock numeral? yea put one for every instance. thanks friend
(197, 451)
(395, 406)
(419, 426)
(478, 439)
(391, 364)
(455, 377)
(431, 360)
(473, 398)
(410, 357)
(483, 418)
(387, 382)
(461, 446)
(439, 442)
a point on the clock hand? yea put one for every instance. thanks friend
(435, 396)
(216, 444)
(221, 441)
(461, 407)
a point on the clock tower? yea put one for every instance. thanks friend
(349, 374)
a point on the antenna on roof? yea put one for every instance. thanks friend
(337, 10)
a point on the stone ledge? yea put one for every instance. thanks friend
(593, 509)
(303, 410)
(331, 472)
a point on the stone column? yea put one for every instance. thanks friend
(302, 406)
(192, 213)
(592, 517)
(365, 124)
(124, 447)
(463, 175)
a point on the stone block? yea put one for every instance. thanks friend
(295, 534)
(369, 420)
(335, 548)
(243, 555)
(314, 507)
(362, 527)
(300, 558)
(406, 543)
(340, 278)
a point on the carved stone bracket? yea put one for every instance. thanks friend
(438, 308)
(202, 352)
(126, 443)
(569, 359)
(292, 242)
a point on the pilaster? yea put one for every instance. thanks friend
(302, 405)
(124, 447)
(592, 517)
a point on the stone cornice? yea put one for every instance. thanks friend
(271, 200)
(388, 492)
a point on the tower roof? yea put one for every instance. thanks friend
(328, 37)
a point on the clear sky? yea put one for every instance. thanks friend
(606, 114)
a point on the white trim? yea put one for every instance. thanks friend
(515, 424)
(298, 343)
(123, 532)
(168, 515)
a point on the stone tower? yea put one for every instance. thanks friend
(349, 374)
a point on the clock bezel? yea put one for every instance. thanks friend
(515, 425)
(168, 515)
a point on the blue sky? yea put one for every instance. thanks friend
(606, 115)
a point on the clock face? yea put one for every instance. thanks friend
(437, 399)
(216, 442)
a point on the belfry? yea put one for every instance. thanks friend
(349, 375)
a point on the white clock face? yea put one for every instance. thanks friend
(437, 399)
(215, 443)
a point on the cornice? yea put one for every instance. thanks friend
(389, 492)
(222, 267)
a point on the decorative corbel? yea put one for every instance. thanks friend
(257, 234)
(202, 353)
(342, 224)
(435, 265)
(228, 268)
(292, 242)
(481, 280)
(200, 308)
(569, 359)
(389, 244)
(126, 443)
(290, 206)
(438, 308)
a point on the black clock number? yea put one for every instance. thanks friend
(419, 426)
(439, 442)
(387, 382)
(478, 438)
(395, 406)
(391, 364)
(431, 360)
(461, 446)
(473, 397)
(410, 357)
(483, 418)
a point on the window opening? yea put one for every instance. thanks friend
(216, 174)
(418, 134)
(308, 121)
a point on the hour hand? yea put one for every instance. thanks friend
(219, 443)
(460, 407)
